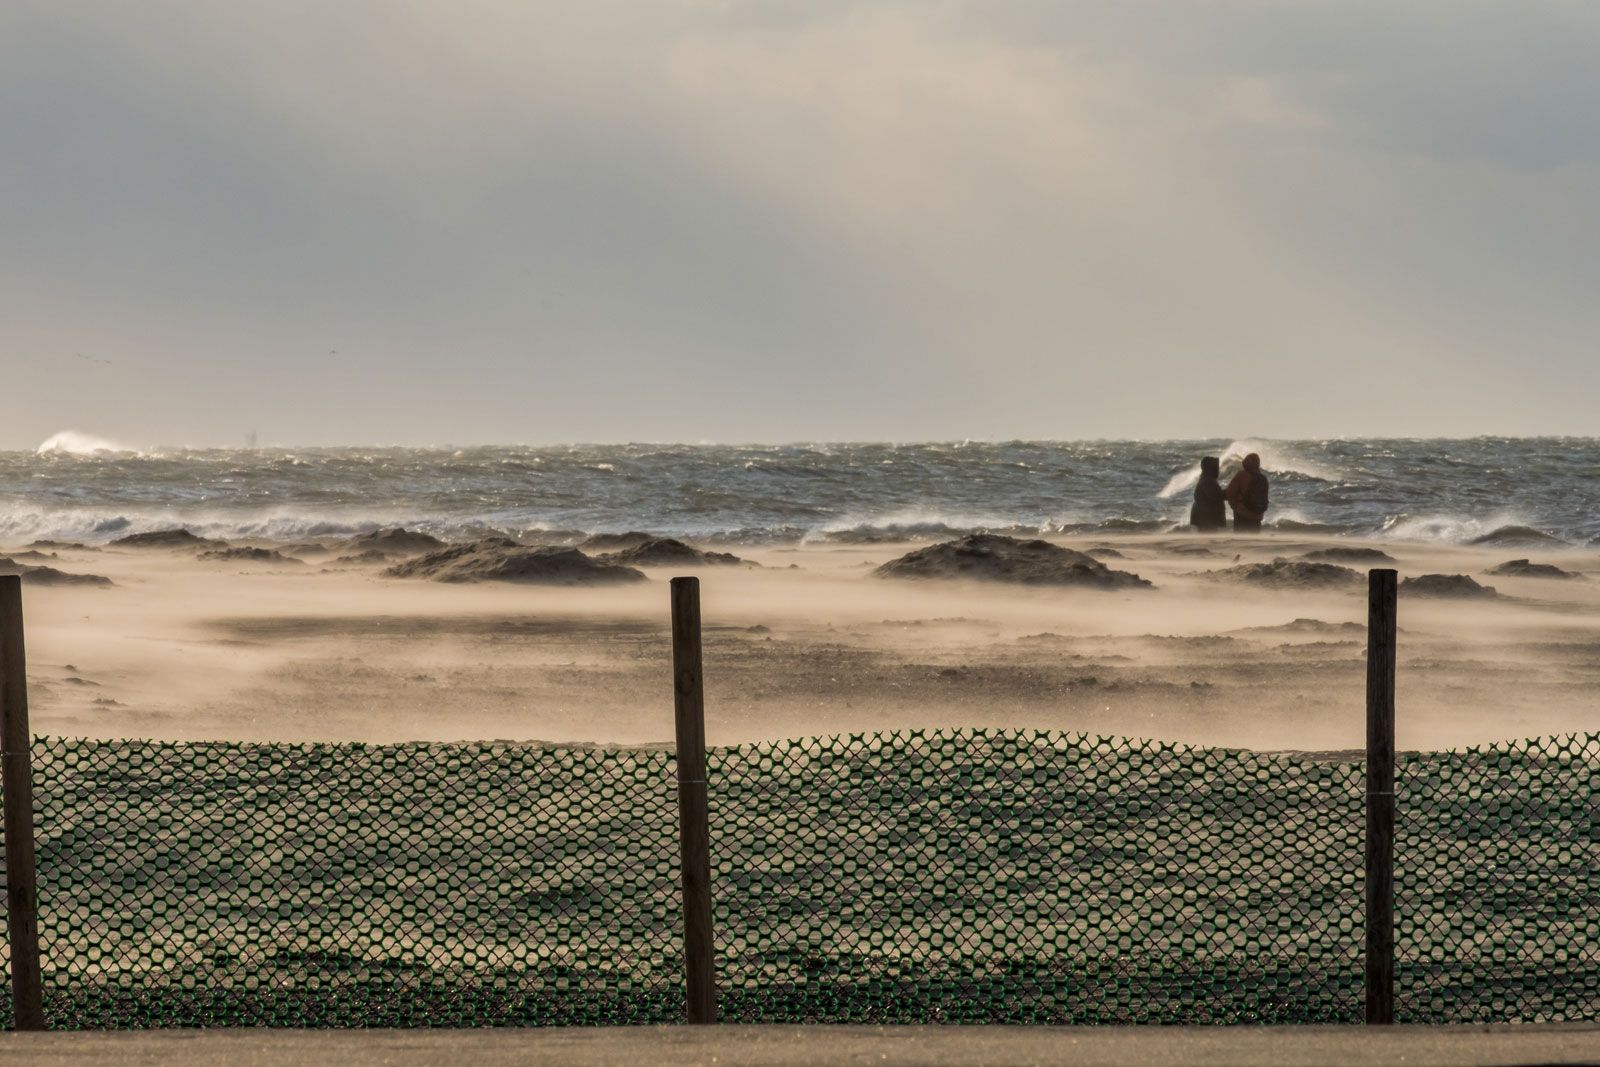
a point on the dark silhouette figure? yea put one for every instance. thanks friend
(1247, 495)
(1209, 512)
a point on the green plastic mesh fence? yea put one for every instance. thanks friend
(952, 876)
(1497, 883)
(351, 885)
(1019, 877)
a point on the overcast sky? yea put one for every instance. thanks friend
(354, 221)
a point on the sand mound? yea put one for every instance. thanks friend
(31, 556)
(616, 542)
(500, 560)
(397, 541)
(1292, 574)
(1187, 550)
(77, 545)
(48, 575)
(992, 557)
(1521, 568)
(1105, 552)
(179, 538)
(1446, 585)
(1308, 626)
(248, 555)
(371, 555)
(666, 551)
(51, 576)
(1518, 535)
(1348, 554)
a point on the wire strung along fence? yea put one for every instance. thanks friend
(960, 876)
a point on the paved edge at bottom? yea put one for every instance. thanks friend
(811, 1046)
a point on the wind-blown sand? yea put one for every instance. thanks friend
(808, 643)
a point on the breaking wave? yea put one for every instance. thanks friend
(73, 443)
(926, 526)
(77, 487)
(1275, 459)
(1451, 529)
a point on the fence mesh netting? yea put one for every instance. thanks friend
(1497, 883)
(952, 876)
(352, 885)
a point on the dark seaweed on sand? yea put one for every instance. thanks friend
(1292, 574)
(504, 560)
(1460, 586)
(49, 576)
(996, 558)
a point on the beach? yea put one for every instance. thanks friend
(597, 516)
(1015, 768)
(806, 640)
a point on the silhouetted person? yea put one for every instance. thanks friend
(1247, 495)
(1208, 512)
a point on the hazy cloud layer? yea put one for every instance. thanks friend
(364, 221)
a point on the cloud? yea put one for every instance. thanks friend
(540, 221)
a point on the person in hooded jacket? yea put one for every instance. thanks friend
(1209, 512)
(1247, 495)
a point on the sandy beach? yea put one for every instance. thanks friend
(809, 642)
(1032, 389)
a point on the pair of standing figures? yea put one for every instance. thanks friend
(1246, 494)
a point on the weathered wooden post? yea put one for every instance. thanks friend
(1381, 628)
(16, 781)
(694, 826)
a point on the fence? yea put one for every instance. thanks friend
(967, 876)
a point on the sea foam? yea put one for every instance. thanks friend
(1275, 459)
(73, 443)
(77, 486)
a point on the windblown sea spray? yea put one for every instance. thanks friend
(77, 487)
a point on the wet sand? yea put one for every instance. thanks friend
(810, 643)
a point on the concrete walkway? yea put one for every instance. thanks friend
(815, 1046)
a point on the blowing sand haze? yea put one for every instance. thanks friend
(1249, 642)
(600, 515)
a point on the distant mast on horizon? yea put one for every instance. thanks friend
(250, 439)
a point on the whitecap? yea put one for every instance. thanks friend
(915, 525)
(73, 443)
(1448, 528)
(1275, 459)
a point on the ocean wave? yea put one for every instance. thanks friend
(73, 443)
(1448, 528)
(925, 526)
(1120, 525)
(95, 526)
(1301, 526)
(1427, 491)
(1276, 459)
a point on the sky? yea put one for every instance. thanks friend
(398, 222)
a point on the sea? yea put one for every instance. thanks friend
(75, 487)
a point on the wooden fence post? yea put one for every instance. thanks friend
(694, 826)
(1381, 628)
(16, 781)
